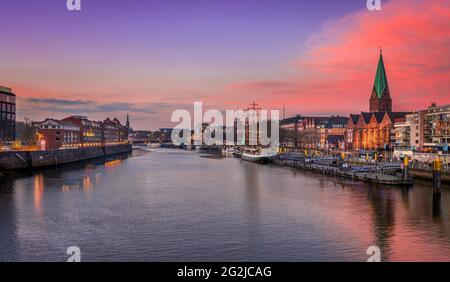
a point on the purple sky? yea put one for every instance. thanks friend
(150, 57)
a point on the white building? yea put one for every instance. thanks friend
(410, 133)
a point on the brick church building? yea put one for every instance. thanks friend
(374, 130)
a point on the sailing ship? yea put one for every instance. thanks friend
(255, 153)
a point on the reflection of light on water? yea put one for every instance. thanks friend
(87, 183)
(113, 163)
(38, 191)
(98, 178)
(65, 188)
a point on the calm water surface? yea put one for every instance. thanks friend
(173, 205)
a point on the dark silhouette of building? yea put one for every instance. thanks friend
(7, 115)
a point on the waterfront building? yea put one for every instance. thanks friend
(77, 131)
(437, 129)
(114, 132)
(303, 132)
(56, 134)
(290, 130)
(7, 115)
(91, 132)
(141, 137)
(310, 132)
(351, 129)
(374, 130)
(410, 131)
(332, 134)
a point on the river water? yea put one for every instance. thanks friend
(174, 205)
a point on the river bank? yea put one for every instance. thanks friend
(20, 160)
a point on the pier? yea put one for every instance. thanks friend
(387, 175)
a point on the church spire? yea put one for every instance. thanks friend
(380, 83)
(380, 100)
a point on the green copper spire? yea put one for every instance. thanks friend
(380, 78)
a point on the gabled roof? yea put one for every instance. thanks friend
(57, 121)
(366, 116)
(379, 116)
(354, 118)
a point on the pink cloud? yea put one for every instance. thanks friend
(336, 73)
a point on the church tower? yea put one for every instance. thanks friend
(380, 101)
(128, 123)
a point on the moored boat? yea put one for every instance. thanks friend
(258, 155)
(228, 151)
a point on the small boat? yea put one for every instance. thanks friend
(228, 152)
(258, 155)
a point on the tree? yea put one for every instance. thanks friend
(26, 132)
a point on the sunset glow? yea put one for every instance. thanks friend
(158, 56)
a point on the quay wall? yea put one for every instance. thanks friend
(428, 175)
(16, 160)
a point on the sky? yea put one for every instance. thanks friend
(151, 57)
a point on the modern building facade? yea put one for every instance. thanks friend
(410, 131)
(437, 129)
(7, 115)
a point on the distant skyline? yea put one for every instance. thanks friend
(148, 57)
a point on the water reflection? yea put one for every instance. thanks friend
(383, 212)
(437, 211)
(179, 206)
(38, 192)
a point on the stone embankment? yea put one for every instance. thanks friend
(16, 160)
